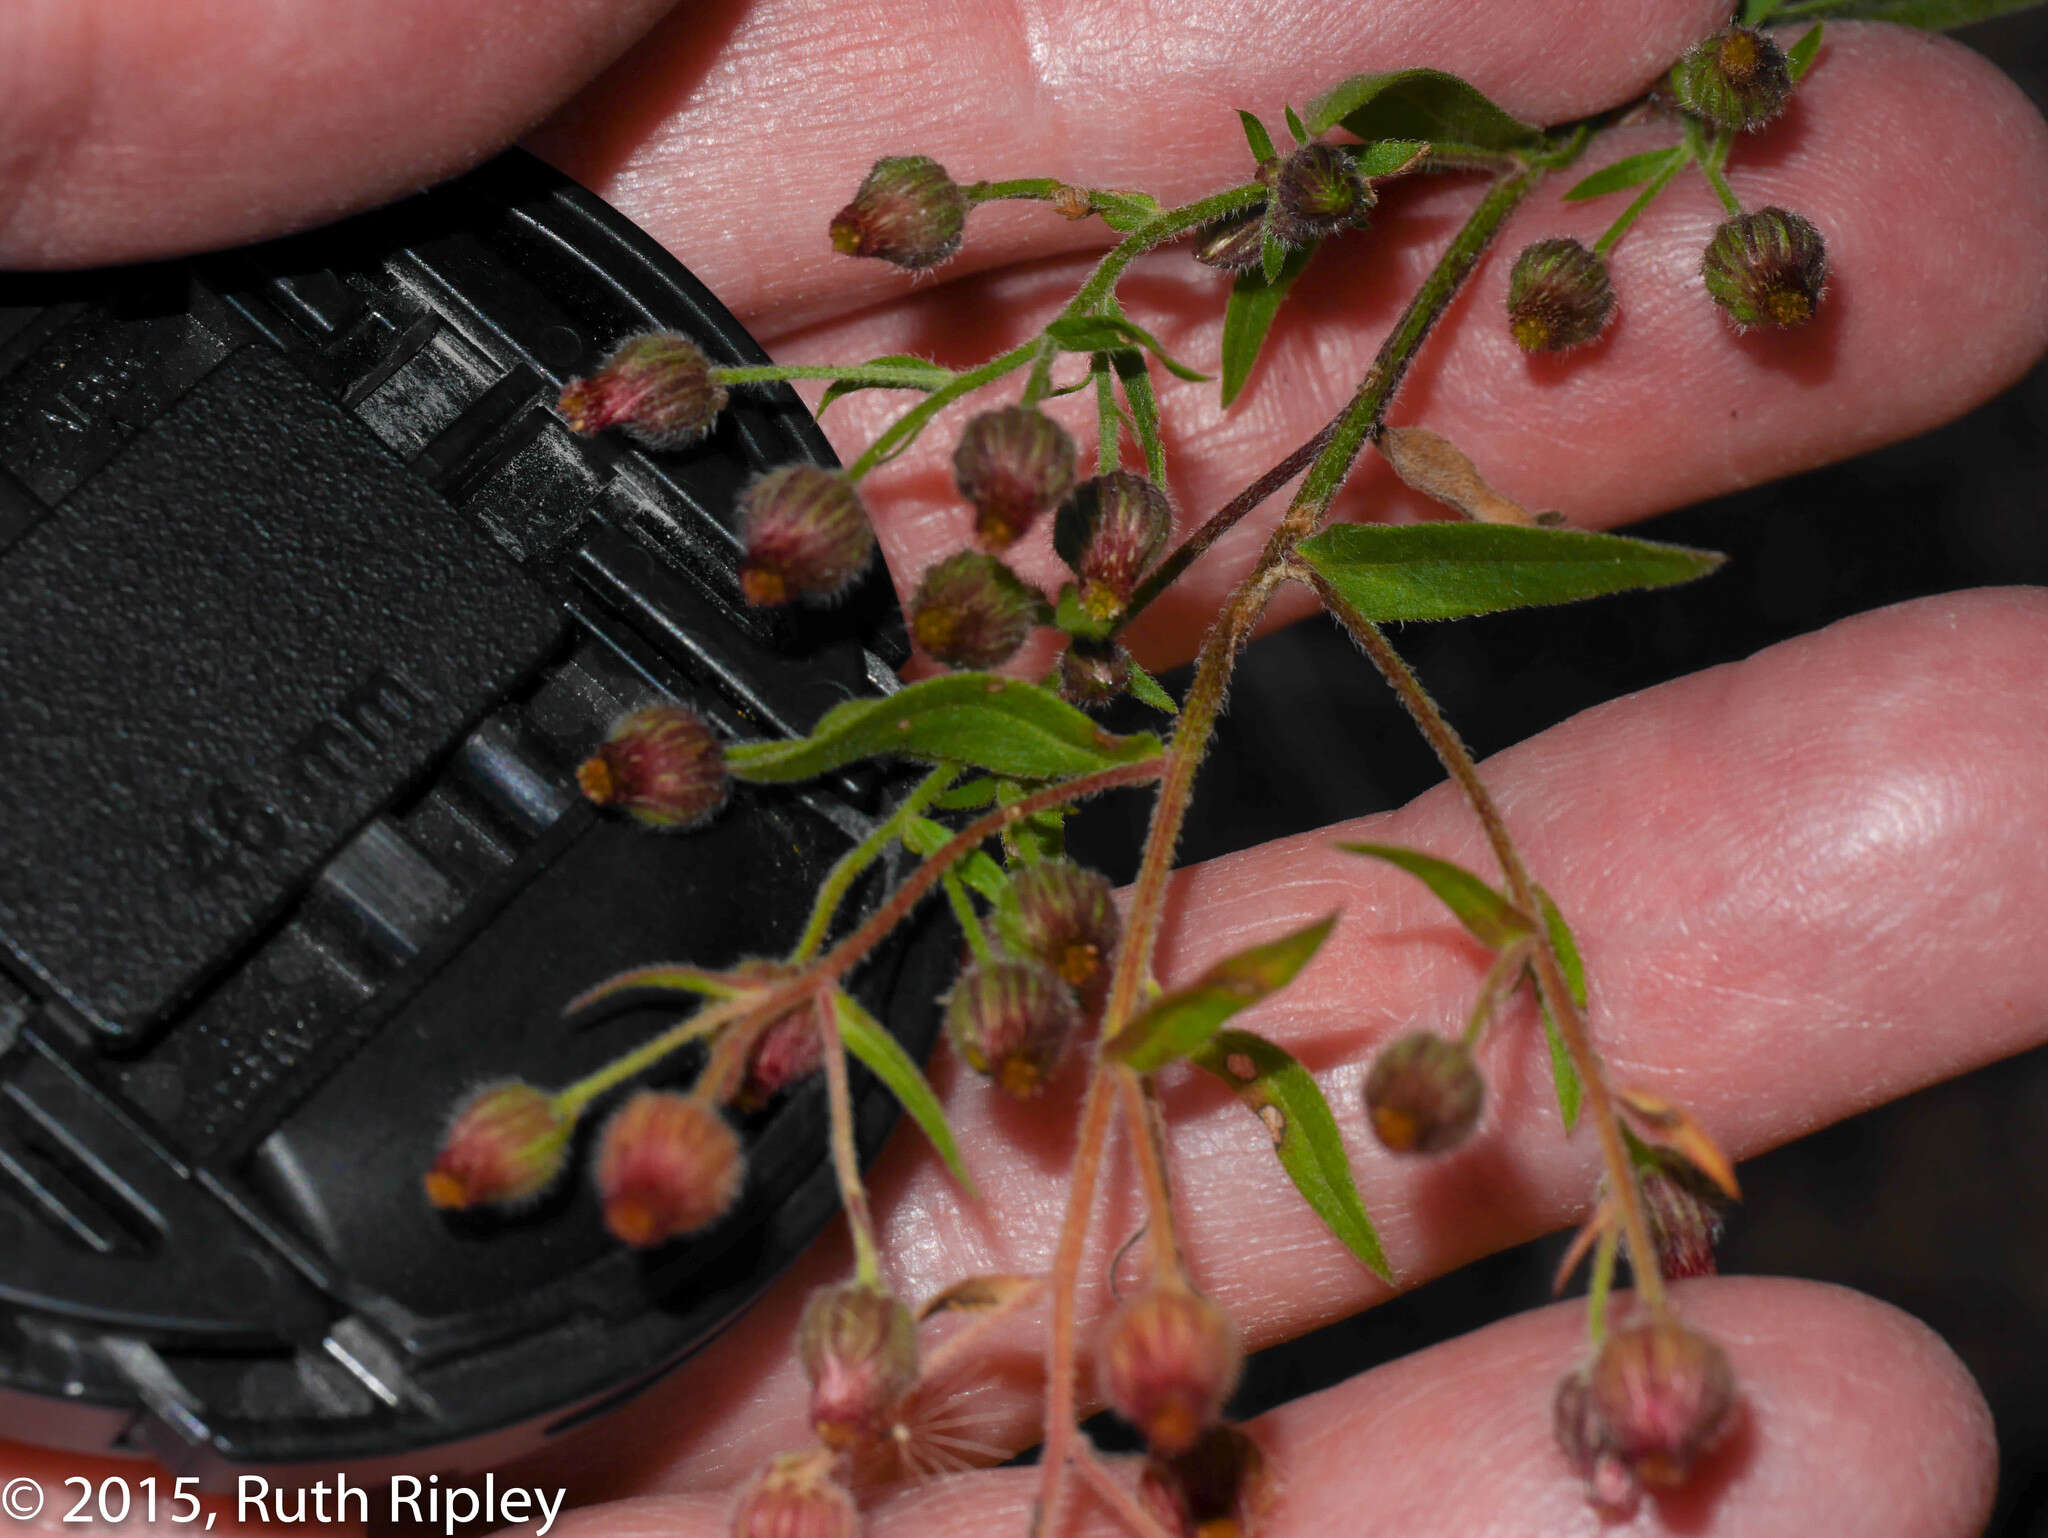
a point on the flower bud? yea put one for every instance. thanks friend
(1576, 1422)
(663, 764)
(1236, 245)
(1108, 531)
(1423, 1094)
(506, 1144)
(1318, 192)
(858, 1345)
(796, 1497)
(1662, 1397)
(1558, 296)
(1061, 913)
(1091, 677)
(1736, 81)
(1167, 1361)
(667, 1165)
(787, 1051)
(1012, 464)
(657, 388)
(1768, 268)
(907, 211)
(972, 611)
(1684, 1212)
(807, 536)
(1011, 1020)
(1218, 1488)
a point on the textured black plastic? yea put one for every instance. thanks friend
(309, 606)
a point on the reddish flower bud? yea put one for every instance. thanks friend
(1011, 1020)
(1684, 1210)
(662, 764)
(796, 1497)
(1737, 80)
(667, 1165)
(657, 388)
(1062, 914)
(807, 535)
(907, 211)
(1318, 192)
(1423, 1094)
(787, 1051)
(506, 1144)
(1218, 1488)
(1558, 296)
(1768, 268)
(972, 611)
(1091, 677)
(1237, 245)
(858, 1345)
(1108, 531)
(1576, 1422)
(1662, 1397)
(1012, 464)
(1167, 1361)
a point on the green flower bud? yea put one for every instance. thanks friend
(1423, 1094)
(1108, 531)
(1768, 268)
(907, 211)
(972, 611)
(1012, 464)
(807, 536)
(1558, 296)
(1737, 80)
(664, 765)
(657, 388)
(1318, 192)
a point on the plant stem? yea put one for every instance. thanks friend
(1148, 1149)
(963, 911)
(867, 1267)
(573, 1100)
(1507, 965)
(903, 376)
(1643, 200)
(857, 859)
(1110, 1491)
(899, 433)
(1571, 1025)
(1599, 1286)
(1109, 422)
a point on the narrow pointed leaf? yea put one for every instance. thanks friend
(1249, 314)
(1937, 15)
(1671, 1126)
(1630, 171)
(1181, 1022)
(1420, 104)
(1389, 157)
(1148, 690)
(664, 977)
(984, 875)
(1285, 1096)
(980, 1295)
(1494, 920)
(1272, 256)
(1799, 57)
(1004, 725)
(897, 371)
(1144, 414)
(1423, 571)
(1564, 1073)
(1126, 211)
(968, 795)
(1107, 333)
(1301, 135)
(885, 1058)
(1256, 136)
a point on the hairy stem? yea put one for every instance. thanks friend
(857, 859)
(867, 1266)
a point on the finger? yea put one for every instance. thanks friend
(131, 131)
(1670, 407)
(1801, 885)
(1856, 1420)
(738, 169)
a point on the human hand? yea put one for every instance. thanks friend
(1890, 758)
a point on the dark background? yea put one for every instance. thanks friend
(1938, 1203)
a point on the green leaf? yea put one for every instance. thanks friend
(1799, 57)
(1388, 157)
(663, 977)
(1144, 415)
(1041, 836)
(1248, 317)
(1107, 333)
(1756, 12)
(1272, 255)
(1285, 1096)
(1301, 135)
(1564, 1073)
(885, 1058)
(1256, 136)
(1125, 211)
(1630, 171)
(968, 795)
(984, 875)
(932, 377)
(1148, 690)
(1491, 917)
(1936, 15)
(1420, 104)
(925, 837)
(1423, 571)
(1181, 1022)
(1003, 725)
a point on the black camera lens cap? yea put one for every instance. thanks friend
(309, 607)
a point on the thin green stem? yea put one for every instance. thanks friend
(1109, 422)
(963, 910)
(1039, 384)
(1600, 1284)
(1643, 200)
(1035, 189)
(1710, 167)
(1168, 225)
(922, 376)
(899, 433)
(867, 1267)
(572, 1101)
(1507, 967)
(832, 891)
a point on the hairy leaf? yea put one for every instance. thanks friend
(1301, 135)
(885, 1058)
(1630, 171)
(1000, 724)
(1108, 333)
(1148, 690)
(1448, 570)
(663, 977)
(1286, 1097)
(1272, 255)
(1494, 920)
(1125, 211)
(898, 371)
(1248, 316)
(1388, 157)
(1182, 1021)
(1799, 57)
(1256, 136)
(1937, 15)
(1420, 104)
(1564, 1073)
